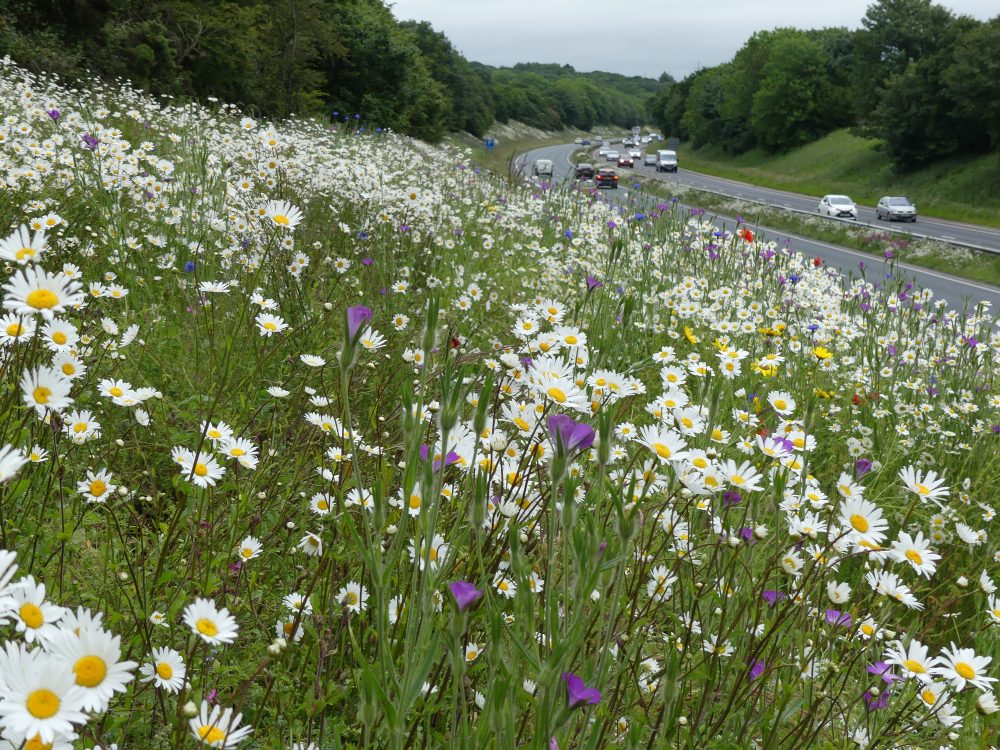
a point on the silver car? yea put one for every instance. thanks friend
(896, 208)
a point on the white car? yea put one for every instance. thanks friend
(612, 156)
(838, 206)
(635, 153)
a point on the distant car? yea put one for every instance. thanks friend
(838, 206)
(584, 171)
(893, 208)
(585, 142)
(612, 155)
(606, 178)
(649, 160)
(635, 153)
(603, 151)
(578, 141)
(626, 161)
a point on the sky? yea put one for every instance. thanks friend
(632, 37)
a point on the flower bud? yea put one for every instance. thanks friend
(190, 709)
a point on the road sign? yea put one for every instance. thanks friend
(673, 143)
(489, 143)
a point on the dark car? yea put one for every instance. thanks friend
(585, 142)
(896, 208)
(584, 171)
(626, 161)
(606, 178)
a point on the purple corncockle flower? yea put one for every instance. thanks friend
(884, 671)
(526, 362)
(757, 670)
(746, 534)
(861, 467)
(612, 224)
(601, 547)
(450, 458)
(594, 283)
(366, 261)
(573, 435)
(357, 316)
(888, 255)
(996, 429)
(874, 703)
(90, 142)
(773, 597)
(836, 617)
(578, 693)
(212, 696)
(54, 114)
(731, 498)
(466, 594)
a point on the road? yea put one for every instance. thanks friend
(952, 288)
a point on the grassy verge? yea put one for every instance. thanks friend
(960, 189)
(938, 256)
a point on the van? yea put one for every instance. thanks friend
(542, 168)
(666, 161)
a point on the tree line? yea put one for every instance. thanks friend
(344, 58)
(923, 80)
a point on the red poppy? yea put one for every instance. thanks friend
(746, 234)
(817, 261)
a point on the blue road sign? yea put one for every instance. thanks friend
(489, 143)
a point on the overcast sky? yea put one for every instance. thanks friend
(633, 37)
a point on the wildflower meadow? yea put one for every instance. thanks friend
(319, 437)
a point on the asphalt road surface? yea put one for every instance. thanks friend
(952, 288)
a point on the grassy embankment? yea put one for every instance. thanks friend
(960, 189)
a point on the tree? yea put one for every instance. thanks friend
(894, 33)
(793, 102)
(972, 81)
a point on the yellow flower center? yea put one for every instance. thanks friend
(914, 557)
(80, 427)
(965, 670)
(860, 523)
(68, 369)
(237, 452)
(928, 697)
(42, 703)
(14, 329)
(522, 425)
(164, 670)
(25, 252)
(737, 479)
(116, 391)
(414, 502)
(662, 450)
(98, 488)
(42, 394)
(210, 734)
(246, 552)
(270, 326)
(59, 337)
(280, 219)
(780, 404)
(90, 671)
(571, 339)
(867, 629)
(42, 299)
(557, 394)
(200, 469)
(31, 615)
(322, 505)
(923, 489)
(914, 666)
(352, 598)
(207, 627)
